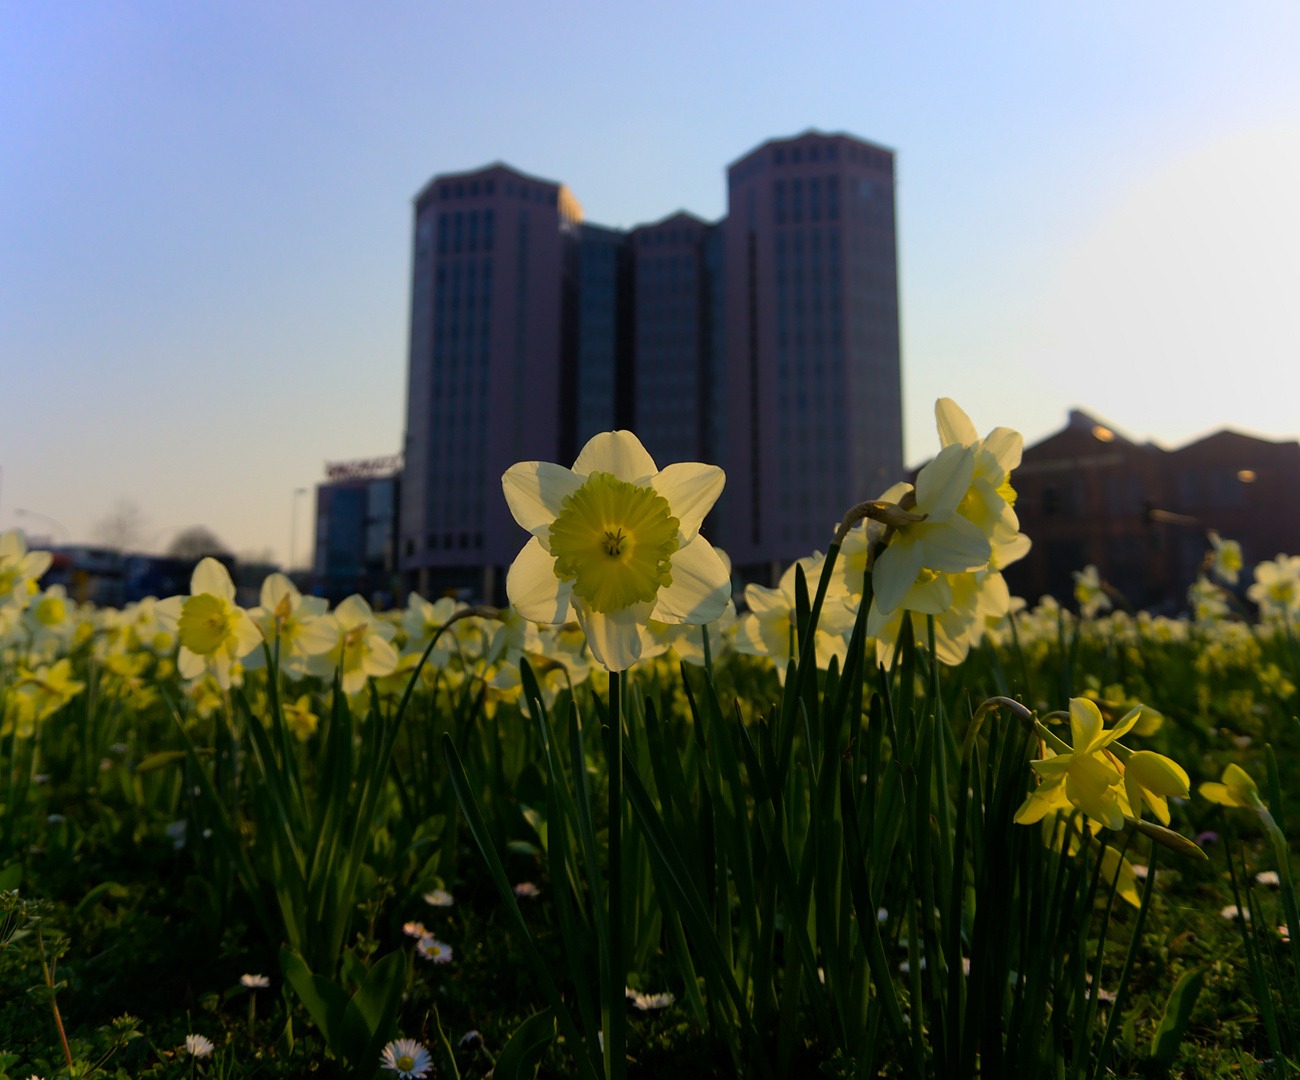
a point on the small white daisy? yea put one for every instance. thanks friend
(526, 890)
(255, 982)
(198, 1045)
(1231, 911)
(432, 949)
(646, 1002)
(1268, 877)
(415, 929)
(439, 898)
(1140, 871)
(1284, 932)
(406, 1057)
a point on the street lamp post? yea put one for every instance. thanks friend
(293, 528)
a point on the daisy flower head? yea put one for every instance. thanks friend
(1268, 877)
(198, 1046)
(1231, 912)
(406, 1057)
(439, 898)
(439, 952)
(647, 1002)
(415, 930)
(255, 982)
(526, 890)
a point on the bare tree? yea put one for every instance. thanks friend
(122, 527)
(195, 542)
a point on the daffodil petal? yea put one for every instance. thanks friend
(953, 546)
(943, 483)
(614, 637)
(896, 570)
(691, 489)
(1006, 445)
(701, 586)
(954, 424)
(1085, 724)
(534, 590)
(617, 452)
(211, 577)
(535, 492)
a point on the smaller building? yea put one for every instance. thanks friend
(356, 531)
(1140, 513)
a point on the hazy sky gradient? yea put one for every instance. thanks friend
(205, 212)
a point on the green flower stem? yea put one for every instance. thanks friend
(614, 1006)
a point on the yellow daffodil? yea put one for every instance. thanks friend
(214, 632)
(943, 543)
(300, 719)
(1153, 778)
(38, 694)
(511, 637)
(1234, 788)
(1226, 562)
(1084, 776)
(617, 541)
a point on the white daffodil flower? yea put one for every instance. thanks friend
(361, 646)
(214, 632)
(1227, 562)
(944, 542)
(617, 542)
(422, 620)
(20, 569)
(989, 500)
(766, 629)
(299, 620)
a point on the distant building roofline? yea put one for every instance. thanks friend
(493, 167)
(785, 140)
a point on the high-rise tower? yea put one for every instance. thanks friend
(490, 270)
(812, 342)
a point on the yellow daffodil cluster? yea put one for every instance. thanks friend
(1098, 775)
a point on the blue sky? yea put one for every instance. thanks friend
(205, 211)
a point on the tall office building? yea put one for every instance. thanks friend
(491, 267)
(766, 343)
(677, 353)
(812, 345)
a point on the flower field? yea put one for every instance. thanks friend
(882, 819)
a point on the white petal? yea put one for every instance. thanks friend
(353, 611)
(247, 636)
(943, 483)
(1006, 445)
(534, 590)
(275, 588)
(617, 452)
(190, 665)
(212, 577)
(954, 425)
(380, 658)
(896, 493)
(691, 489)
(932, 597)
(535, 492)
(896, 570)
(700, 588)
(954, 546)
(614, 639)
(762, 600)
(1005, 554)
(316, 636)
